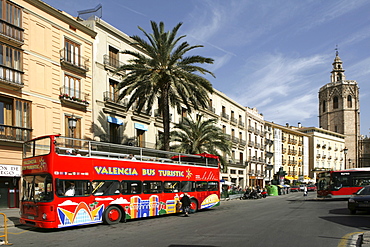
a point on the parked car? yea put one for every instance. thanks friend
(294, 188)
(360, 201)
(311, 187)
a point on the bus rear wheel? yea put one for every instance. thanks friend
(112, 215)
(193, 206)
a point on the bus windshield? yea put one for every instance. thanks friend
(37, 188)
(36, 147)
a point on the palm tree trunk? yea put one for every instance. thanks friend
(166, 120)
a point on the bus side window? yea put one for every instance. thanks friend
(201, 186)
(131, 187)
(73, 187)
(152, 187)
(187, 186)
(171, 186)
(103, 188)
(213, 186)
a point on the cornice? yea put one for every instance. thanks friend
(61, 16)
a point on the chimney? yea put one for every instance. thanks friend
(287, 125)
(299, 125)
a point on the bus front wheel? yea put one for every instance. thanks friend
(193, 206)
(112, 215)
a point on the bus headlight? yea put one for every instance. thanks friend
(44, 216)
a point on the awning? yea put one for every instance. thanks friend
(114, 120)
(289, 177)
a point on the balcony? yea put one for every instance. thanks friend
(11, 78)
(73, 62)
(243, 142)
(211, 109)
(241, 124)
(113, 64)
(283, 150)
(12, 33)
(250, 128)
(113, 98)
(235, 139)
(13, 133)
(269, 154)
(234, 121)
(77, 100)
(224, 115)
(292, 141)
(251, 143)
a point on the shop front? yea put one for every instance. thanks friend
(10, 176)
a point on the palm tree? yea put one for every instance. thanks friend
(163, 72)
(201, 136)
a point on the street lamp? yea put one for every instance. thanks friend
(345, 150)
(72, 123)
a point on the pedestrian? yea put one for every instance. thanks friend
(185, 204)
(305, 191)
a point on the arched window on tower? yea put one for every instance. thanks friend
(335, 102)
(349, 101)
(324, 106)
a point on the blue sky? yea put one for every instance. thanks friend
(273, 55)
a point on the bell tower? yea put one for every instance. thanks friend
(339, 110)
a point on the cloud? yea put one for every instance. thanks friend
(120, 201)
(68, 203)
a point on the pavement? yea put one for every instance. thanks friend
(12, 215)
(360, 239)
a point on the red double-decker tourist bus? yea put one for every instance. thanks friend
(71, 182)
(342, 184)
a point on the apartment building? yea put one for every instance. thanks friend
(45, 80)
(289, 148)
(327, 150)
(231, 119)
(255, 147)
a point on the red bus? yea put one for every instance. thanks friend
(72, 182)
(342, 184)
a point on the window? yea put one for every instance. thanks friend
(113, 93)
(72, 52)
(73, 187)
(201, 186)
(131, 187)
(10, 64)
(140, 137)
(152, 187)
(171, 186)
(113, 57)
(335, 102)
(187, 186)
(72, 86)
(15, 113)
(349, 101)
(213, 186)
(12, 16)
(37, 188)
(105, 188)
(324, 106)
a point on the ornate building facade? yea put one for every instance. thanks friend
(339, 106)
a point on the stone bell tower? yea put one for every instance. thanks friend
(339, 110)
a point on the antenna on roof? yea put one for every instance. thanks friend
(91, 13)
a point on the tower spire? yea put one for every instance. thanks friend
(337, 74)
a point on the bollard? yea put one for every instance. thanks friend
(5, 236)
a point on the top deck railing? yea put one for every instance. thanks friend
(88, 148)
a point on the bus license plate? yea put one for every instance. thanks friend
(31, 217)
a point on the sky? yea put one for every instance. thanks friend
(273, 55)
